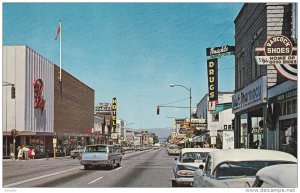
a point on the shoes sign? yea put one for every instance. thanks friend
(278, 51)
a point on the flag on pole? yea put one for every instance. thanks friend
(59, 33)
(58, 30)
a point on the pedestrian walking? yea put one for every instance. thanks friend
(25, 150)
(29, 153)
(33, 153)
(20, 153)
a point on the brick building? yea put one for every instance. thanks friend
(263, 121)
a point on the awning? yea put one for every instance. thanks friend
(184, 140)
(221, 107)
(199, 138)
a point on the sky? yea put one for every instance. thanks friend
(131, 51)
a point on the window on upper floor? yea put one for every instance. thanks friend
(256, 70)
(215, 117)
(239, 70)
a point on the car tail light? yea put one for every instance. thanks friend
(185, 173)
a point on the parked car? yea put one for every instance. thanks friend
(173, 150)
(236, 168)
(277, 176)
(139, 148)
(76, 152)
(100, 155)
(188, 161)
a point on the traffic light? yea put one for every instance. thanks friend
(13, 92)
(158, 110)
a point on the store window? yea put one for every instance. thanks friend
(244, 131)
(288, 107)
(256, 133)
(288, 136)
(215, 117)
(251, 130)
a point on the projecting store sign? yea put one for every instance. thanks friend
(212, 70)
(103, 107)
(278, 51)
(217, 52)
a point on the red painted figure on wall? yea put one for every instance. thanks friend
(38, 89)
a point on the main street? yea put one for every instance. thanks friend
(150, 168)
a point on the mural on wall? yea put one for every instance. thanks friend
(39, 102)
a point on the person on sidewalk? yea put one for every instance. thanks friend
(25, 150)
(20, 153)
(32, 153)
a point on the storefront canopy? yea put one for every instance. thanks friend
(221, 107)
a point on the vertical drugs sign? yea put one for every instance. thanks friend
(212, 72)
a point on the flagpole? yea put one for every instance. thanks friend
(60, 51)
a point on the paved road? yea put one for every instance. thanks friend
(151, 168)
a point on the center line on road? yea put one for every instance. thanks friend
(95, 180)
(37, 178)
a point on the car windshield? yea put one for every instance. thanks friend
(95, 149)
(243, 169)
(190, 157)
(187, 167)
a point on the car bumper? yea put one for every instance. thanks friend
(174, 153)
(185, 181)
(95, 163)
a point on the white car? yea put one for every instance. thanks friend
(173, 150)
(76, 152)
(277, 176)
(236, 168)
(188, 161)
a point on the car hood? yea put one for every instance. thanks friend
(239, 182)
(194, 164)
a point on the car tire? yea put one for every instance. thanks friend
(174, 183)
(112, 165)
(86, 167)
(119, 164)
(73, 157)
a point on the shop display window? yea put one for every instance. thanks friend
(288, 136)
(288, 107)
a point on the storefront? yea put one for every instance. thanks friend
(249, 107)
(283, 100)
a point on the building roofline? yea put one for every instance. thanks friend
(50, 62)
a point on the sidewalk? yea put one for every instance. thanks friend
(38, 159)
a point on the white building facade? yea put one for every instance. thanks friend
(216, 122)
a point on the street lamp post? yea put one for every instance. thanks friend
(190, 91)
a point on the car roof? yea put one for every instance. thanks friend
(184, 150)
(250, 155)
(280, 176)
